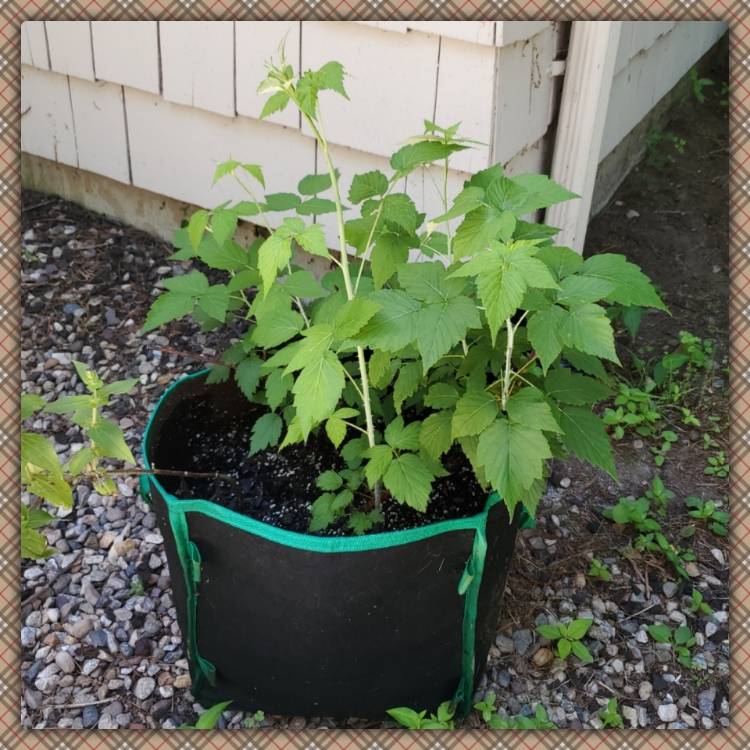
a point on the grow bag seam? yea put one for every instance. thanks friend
(189, 556)
(473, 577)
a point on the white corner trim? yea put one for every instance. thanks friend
(583, 110)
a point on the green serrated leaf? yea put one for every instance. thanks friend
(403, 436)
(394, 325)
(108, 439)
(588, 329)
(435, 434)
(440, 326)
(317, 391)
(276, 329)
(380, 457)
(407, 382)
(353, 317)
(31, 403)
(314, 184)
(568, 387)
(409, 481)
(584, 435)
(247, 375)
(367, 185)
(266, 432)
(475, 412)
(513, 456)
(543, 331)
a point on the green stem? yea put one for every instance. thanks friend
(508, 357)
(350, 293)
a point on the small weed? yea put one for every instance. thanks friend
(688, 418)
(660, 147)
(610, 716)
(411, 719)
(698, 85)
(634, 410)
(209, 718)
(681, 638)
(568, 637)
(540, 720)
(599, 570)
(253, 722)
(650, 538)
(660, 452)
(136, 586)
(659, 496)
(697, 604)
(717, 465)
(708, 510)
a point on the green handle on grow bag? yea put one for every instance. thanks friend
(144, 487)
(526, 521)
(190, 560)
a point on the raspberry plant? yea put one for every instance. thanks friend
(491, 345)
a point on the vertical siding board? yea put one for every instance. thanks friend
(524, 94)
(197, 60)
(70, 48)
(126, 52)
(100, 128)
(465, 84)
(174, 150)
(652, 73)
(47, 127)
(34, 45)
(391, 83)
(257, 41)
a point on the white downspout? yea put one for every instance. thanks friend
(583, 110)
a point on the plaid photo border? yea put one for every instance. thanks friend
(736, 14)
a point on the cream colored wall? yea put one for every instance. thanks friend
(159, 104)
(651, 59)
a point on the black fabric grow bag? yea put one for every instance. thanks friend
(330, 626)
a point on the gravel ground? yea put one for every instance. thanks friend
(100, 643)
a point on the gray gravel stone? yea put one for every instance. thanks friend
(144, 687)
(667, 712)
(522, 639)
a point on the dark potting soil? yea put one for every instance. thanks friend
(278, 487)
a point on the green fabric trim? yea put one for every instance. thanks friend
(527, 521)
(144, 488)
(469, 587)
(200, 669)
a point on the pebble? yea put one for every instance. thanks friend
(90, 717)
(670, 588)
(144, 687)
(506, 645)
(542, 657)
(28, 636)
(182, 681)
(65, 661)
(667, 712)
(645, 690)
(631, 214)
(522, 640)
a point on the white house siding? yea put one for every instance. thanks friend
(651, 59)
(159, 103)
